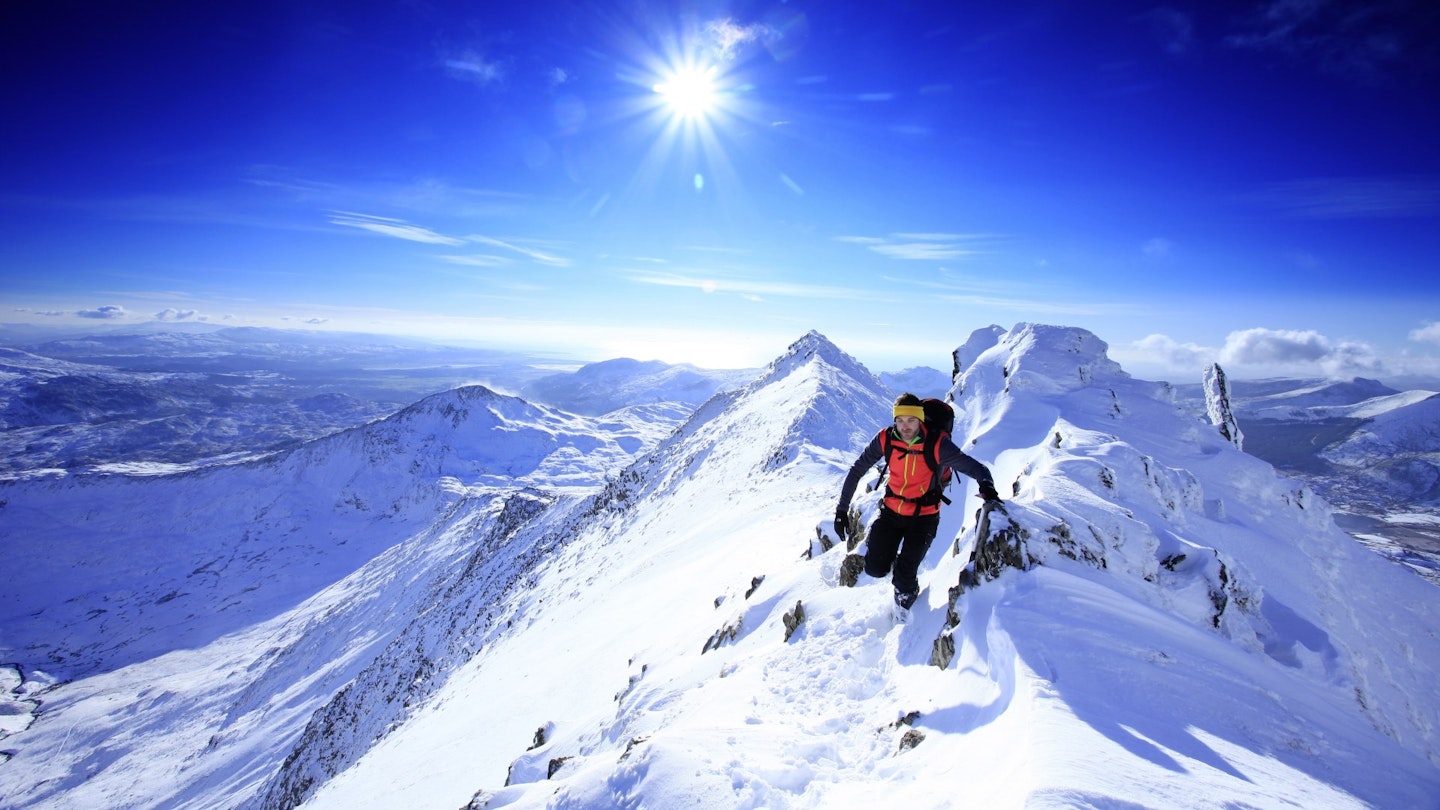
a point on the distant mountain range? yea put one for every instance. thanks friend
(189, 398)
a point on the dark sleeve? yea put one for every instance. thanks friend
(955, 458)
(872, 453)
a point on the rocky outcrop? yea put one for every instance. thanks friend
(1217, 406)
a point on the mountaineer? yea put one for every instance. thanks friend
(919, 455)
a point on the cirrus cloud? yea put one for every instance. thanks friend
(398, 228)
(920, 246)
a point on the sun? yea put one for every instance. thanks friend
(690, 92)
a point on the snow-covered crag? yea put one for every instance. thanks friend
(1155, 618)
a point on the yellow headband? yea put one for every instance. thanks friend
(910, 410)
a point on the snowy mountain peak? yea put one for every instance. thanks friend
(1000, 371)
(464, 400)
(813, 346)
(813, 402)
(1042, 357)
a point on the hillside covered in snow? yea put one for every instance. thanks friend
(481, 602)
(1373, 452)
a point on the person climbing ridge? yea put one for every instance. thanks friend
(919, 455)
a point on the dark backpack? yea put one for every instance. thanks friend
(939, 423)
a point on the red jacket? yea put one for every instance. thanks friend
(910, 475)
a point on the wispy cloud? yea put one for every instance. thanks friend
(528, 252)
(921, 246)
(1363, 42)
(477, 260)
(748, 287)
(726, 37)
(397, 228)
(400, 229)
(1174, 29)
(473, 67)
(1354, 197)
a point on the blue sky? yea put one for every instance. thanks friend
(1251, 182)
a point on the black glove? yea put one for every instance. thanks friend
(842, 525)
(987, 491)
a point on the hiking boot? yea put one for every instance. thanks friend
(905, 600)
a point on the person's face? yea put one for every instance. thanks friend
(908, 426)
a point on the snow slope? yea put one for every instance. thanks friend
(177, 630)
(1180, 626)
(1232, 647)
(1372, 452)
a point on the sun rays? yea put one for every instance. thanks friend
(689, 92)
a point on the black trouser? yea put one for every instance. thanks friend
(910, 536)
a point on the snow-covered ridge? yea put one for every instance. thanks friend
(270, 532)
(1185, 627)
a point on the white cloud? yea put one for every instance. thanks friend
(1429, 333)
(1254, 353)
(1261, 346)
(1299, 351)
(1167, 351)
(173, 314)
(107, 312)
(726, 36)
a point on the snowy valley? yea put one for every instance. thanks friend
(478, 601)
